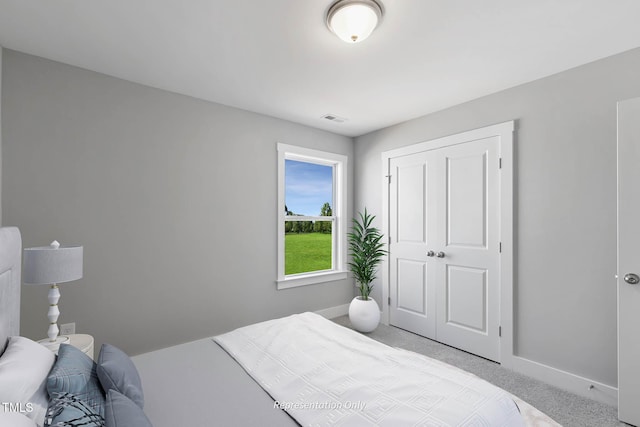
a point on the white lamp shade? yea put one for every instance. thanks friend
(354, 20)
(47, 265)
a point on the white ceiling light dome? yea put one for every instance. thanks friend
(354, 20)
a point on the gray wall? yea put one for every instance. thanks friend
(565, 309)
(1, 53)
(173, 198)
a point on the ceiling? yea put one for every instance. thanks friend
(278, 58)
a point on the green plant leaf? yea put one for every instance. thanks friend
(366, 250)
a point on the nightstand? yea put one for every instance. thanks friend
(83, 342)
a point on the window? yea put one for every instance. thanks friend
(311, 215)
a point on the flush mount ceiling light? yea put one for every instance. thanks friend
(354, 20)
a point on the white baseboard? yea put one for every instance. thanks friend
(331, 312)
(574, 383)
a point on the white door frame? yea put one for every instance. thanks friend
(504, 131)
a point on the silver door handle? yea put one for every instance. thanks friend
(440, 254)
(632, 278)
(431, 253)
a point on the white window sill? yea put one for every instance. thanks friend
(310, 279)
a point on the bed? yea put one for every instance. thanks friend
(298, 370)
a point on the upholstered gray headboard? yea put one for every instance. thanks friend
(10, 274)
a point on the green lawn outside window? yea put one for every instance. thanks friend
(307, 252)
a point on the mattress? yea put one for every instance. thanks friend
(329, 375)
(200, 383)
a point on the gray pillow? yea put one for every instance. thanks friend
(117, 372)
(75, 373)
(120, 411)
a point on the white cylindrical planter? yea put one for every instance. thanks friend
(364, 314)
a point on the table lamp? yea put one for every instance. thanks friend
(50, 265)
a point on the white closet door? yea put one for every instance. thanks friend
(444, 249)
(413, 302)
(629, 261)
(467, 278)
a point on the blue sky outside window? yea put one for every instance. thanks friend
(308, 186)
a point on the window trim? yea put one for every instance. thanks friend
(339, 163)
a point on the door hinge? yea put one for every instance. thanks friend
(499, 331)
(389, 301)
(389, 239)
(388, 178)
(500, 163)
(500, 247)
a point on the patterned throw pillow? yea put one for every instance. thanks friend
(75, 373)
(66, 410)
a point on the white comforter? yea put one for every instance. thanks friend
(324, 374)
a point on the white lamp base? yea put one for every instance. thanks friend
(54, 345)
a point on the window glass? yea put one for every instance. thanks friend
(308, 241)
(308, 187)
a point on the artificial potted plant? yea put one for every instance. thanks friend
(366, 250)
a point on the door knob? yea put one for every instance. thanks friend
(440, 254)
(431, 253)
(632, 279)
